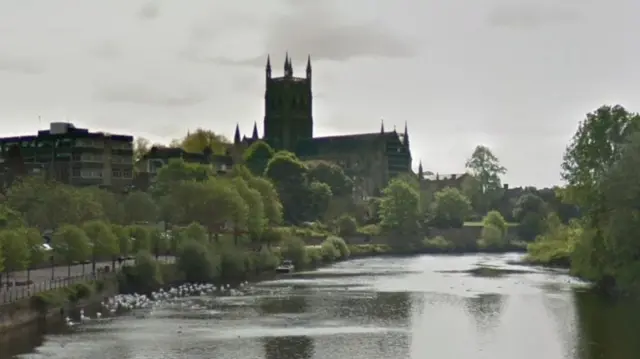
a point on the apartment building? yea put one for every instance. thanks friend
(73, 155)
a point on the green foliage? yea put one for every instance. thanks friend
(289, 175)
(140, 238)
(530, 211)
(198, 263)
(145, 273)
(492, 237)
(272, 205)
(495, 219)
(34, 242)
(139, 207)
(439, 244)
(347, 226)
(450, 208)
(256, 219)
(15, 250)
(71, 243)
(294, 249)
(399, 208)
(320, 196)
(123, 238)
(10, 218)
(486, 170)
(257, 156)
(340, 245)
(331, 174)
(105, 243)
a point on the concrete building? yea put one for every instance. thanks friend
(72, 155)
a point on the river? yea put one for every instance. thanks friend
(442, 307)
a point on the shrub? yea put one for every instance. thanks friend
(438, 243)
(340, 245)
(233, 263)
(495, 219)
(492, 237)
(294, 249)
(197, 263)
(329, 252)
(347, 226)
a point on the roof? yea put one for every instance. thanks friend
(444, 177)
(344, 143)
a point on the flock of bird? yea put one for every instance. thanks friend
(122, 303)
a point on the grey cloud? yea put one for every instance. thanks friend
(531, 15)
(20, 65)
(105, 50)
(149, 11)
(136, 94)
(313, 29)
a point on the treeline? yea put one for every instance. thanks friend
(600, 168)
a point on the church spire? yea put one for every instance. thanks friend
(287, 65)
(236, 137)
(420, 171)
(254, 136)
(309, 66)
(406, 134)
(268, 67)
(381, 125)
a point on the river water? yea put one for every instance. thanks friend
(440, 307)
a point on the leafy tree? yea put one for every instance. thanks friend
(110, 203)
(147, 275)
(201, 139)
(289, 177)
(256, 220)
(159, 241)
(486, 170)
(197, 263)
(124, 239)
(176, 171)
(140, 238)
(494, 219)
(139, 207)
(15, 250)
(450, 208)
(1, 262)
(257, 156)
(10, 218)
(72, 244)
(400, 208)
(271, 200)
(530, 212)
(331, 174)
(104, 241)
(320, 196)
(35, 244)
(141, 146)
(594, 148)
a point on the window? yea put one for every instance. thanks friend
(91, 173)
(116, 173)
(76, 172)
(127, 173)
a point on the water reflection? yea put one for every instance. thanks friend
(485, 309)
(291, 304)
(608, 328)
(298, 347)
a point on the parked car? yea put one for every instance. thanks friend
(286, 267)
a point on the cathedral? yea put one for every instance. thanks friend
(371, 159)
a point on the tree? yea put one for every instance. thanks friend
(450, 208)
(494, 219)
(201, 139)
(35, 243)
(10, 218)
(332, 175)
(139, 207)
(256, 220)
(257, 156)
(176, 171)
(159, 241)
(270, 198)
(197, 263)
(104, 242)
(141, 146)
(71, 244)
(111, 204)
(530, 212)
(124, 239)
(289, 177)
(486, 169)
(399, 208)
(320, 196)
(140, 238)
(15, 250)
(594, 148)
(347, 226)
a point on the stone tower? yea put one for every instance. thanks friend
(288, 107)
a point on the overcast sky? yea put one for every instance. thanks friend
(515, 75)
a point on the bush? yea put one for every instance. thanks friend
(329, 252)
(340, 245)
(347, 226)
(233, 263)
(495, 219)
(144, 276)
(294, 249)
(197, 263)
(492, 237)
(438, 243)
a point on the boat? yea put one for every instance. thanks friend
(286, 267)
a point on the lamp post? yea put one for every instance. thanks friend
(53, 267)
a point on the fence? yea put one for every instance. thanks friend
(15, 293)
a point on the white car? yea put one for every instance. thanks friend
(286, 267)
